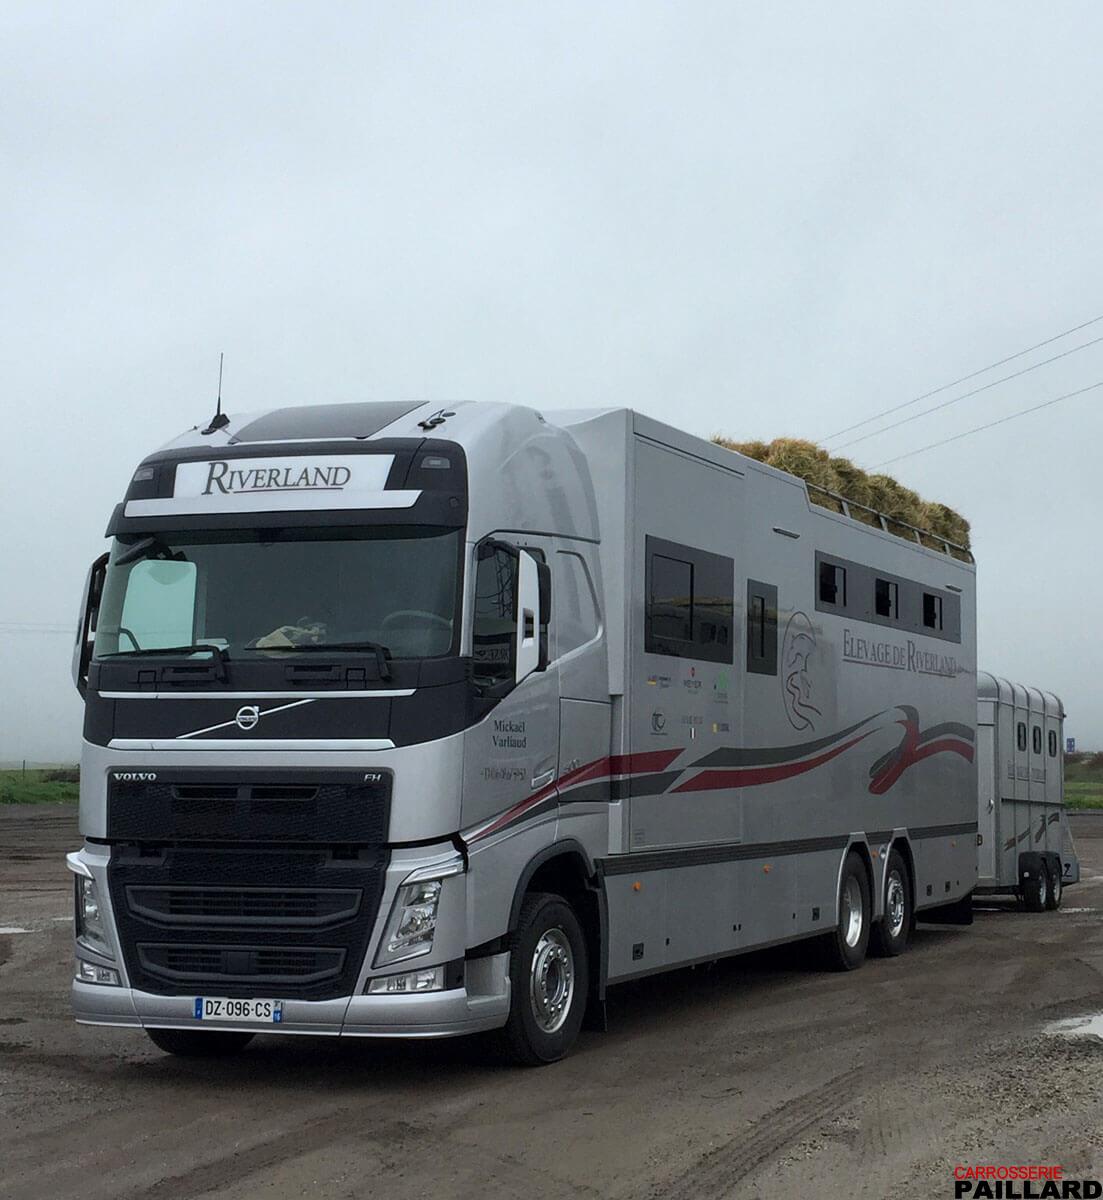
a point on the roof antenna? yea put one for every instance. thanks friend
(219, 420)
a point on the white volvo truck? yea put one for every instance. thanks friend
(404, 722)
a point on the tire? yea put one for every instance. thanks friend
(1056, 884)
(547, 967)
(845, 947)
(889, 936)
(1034, 887)
(199, 1043)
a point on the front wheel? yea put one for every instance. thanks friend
(549, 982)
(199, 1043)
(845, 947)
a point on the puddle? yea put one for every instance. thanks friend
(1078, 1027)
(13, 929)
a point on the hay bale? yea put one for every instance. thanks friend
(901, 506)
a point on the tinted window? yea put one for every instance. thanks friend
(833, 584)
(690, 600)
(1037, 739)
(1020, 736)
(576, 621)
(761, 628)
(495, 623)
(886, 598)
(1052, 743)
(932, 611)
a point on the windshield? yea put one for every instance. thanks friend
(257, 591)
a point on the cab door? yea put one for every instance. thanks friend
(511, 747)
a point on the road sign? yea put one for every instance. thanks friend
(1070, 745)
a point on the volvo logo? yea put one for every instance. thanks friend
(247, 716)
(134, 776)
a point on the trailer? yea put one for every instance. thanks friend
(1024, 843)
(416, 722)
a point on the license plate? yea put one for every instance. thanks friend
(222, 1008)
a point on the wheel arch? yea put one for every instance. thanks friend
(566, 869)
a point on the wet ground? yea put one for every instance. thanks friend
(758, 1077)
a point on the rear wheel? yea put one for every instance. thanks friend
(889, 937)
(845, 947)
(199, 1043)
(1056, 884)
(549, 982)
(1035, 887)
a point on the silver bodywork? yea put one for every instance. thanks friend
(1020, 776)
(710, 808)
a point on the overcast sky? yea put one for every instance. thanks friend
(750, 218)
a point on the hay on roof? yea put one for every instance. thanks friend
(901, 506)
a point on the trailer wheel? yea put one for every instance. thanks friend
(889, 936)
(845, 947)
(1056, 884)
(550, 981)
(1034, 886)
(199, 1043)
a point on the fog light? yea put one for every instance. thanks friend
(93, 973)
(429, 980)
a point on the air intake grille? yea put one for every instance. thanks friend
(274, 965)
(199, 906)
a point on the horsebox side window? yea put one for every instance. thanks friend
(761, 628)
(1037, 739)
(1020, 735)
(690, 602)
(886, 598)
(932, 611)
(1053, 743)
(832, 584)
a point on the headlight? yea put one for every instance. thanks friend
(89, 920)
(412, 923)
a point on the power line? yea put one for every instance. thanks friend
(965, 395)
(964, 379)
(991, 425)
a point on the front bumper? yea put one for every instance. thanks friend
(482, 1003)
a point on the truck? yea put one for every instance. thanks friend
(403, 721)
(1024, 844)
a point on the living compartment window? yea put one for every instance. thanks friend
(863, 593)
(761, 628)
(886, 598)
(690, 602)
(258, 590)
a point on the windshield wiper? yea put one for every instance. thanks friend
(382, 653)
(218, 653)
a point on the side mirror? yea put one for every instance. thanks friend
(527, 657)
(86, 625)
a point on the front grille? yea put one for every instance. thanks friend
(197, 906)
(273, 965)
(198, 804)
(287, 922)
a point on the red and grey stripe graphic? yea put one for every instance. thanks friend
(653, 772)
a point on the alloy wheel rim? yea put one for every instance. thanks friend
(895, 904)
(551, 980)
(853, 915)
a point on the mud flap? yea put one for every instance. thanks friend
(958, 913)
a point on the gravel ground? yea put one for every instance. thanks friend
(757, 1077)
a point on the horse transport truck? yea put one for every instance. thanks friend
(410, 722)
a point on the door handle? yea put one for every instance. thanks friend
(539, 781)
